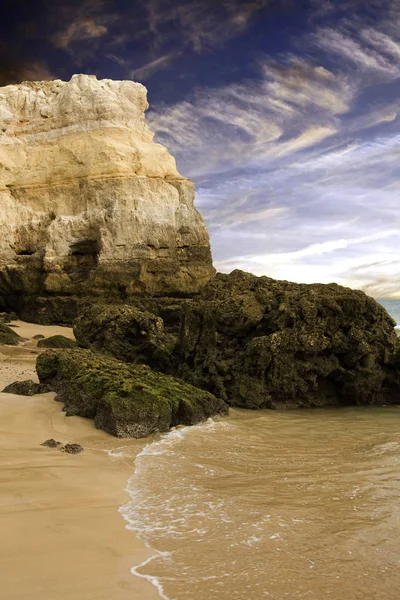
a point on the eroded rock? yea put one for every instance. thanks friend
(124, 400)
(261, 343)
(91, 206)
(126, 333)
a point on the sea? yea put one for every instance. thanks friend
(273, 505)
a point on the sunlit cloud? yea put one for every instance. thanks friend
(308, 150)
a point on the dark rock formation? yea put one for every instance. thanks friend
(124, 400)
(7, 317)
(27, 388)
(8, 336)
(23, 388)
(72, 448)
(261, 343)
(51, 443)
(125, 333)
(56, 341)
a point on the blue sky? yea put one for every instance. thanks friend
(285, 114)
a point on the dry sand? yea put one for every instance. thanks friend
(62, 536)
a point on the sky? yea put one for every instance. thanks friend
(285, 114)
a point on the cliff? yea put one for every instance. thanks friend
(90, 205)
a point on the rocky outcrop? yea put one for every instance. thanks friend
(8, 336)
(124, 400)
(259, 343)
(126, 333)
(91, 206)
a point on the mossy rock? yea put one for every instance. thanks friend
(7, 317)
(8, 336)
(260, 343)
(56, 341)
(124, 400)
(26, 388)
(126, 333)
(22, 388)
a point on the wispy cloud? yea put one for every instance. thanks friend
(82, 28)
(149, 69)
(285, 161)
(200, 25)
(292, 106)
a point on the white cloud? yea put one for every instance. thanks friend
(350, 49)
(299, 168)
(150, 68)
(82, 28)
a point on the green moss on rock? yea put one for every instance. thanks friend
(56, 341)
(126, 333)
(8, 336)
(260, 343)
(124, 400)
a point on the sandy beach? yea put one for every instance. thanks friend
(62, 534)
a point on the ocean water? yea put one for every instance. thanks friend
(277, 505)
(273, 505)
(392, 307)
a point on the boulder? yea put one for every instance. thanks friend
(8, 336)
(91, 206)
(126, 333)
(260, 343)
(56, 341)
(23, 388)
(124, 400)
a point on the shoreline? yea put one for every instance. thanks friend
(63, 534)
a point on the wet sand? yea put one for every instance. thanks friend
(62, 534)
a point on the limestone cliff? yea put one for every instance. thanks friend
(90, 205)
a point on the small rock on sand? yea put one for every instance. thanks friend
(72, 448)
(22, 388)
(51, 443)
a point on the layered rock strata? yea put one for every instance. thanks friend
(90, 205)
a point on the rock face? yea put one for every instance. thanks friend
(90, 205)
(259, 343)
(125, 333)
(124, 400)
